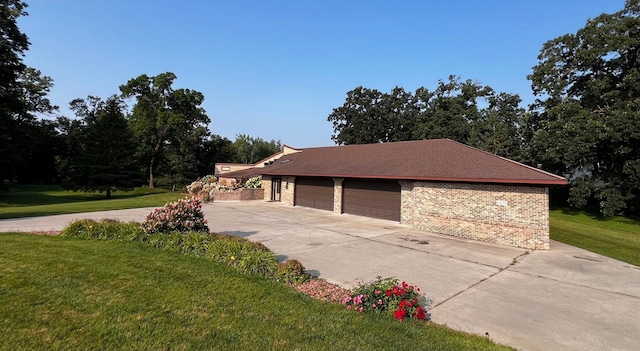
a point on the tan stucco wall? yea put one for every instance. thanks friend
(502, 214)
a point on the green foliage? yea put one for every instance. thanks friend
(184, 215)
(103, 160)
(451, 111)
(586, 123)
(170, 126)
(247, 256)
(22, 96)
(291, 272)
(250, 150)
(107, 229)
(253, 183)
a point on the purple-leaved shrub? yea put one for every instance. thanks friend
(180, 216)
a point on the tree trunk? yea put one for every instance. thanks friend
(151, 186)
(108, 192)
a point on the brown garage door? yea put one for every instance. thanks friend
(372, 198)
(314, 192)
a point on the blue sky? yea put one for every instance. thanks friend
(276, 69)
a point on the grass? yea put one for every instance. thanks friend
(615, 237)
(44, 200)
(74, 294)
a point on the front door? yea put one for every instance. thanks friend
(276, 186)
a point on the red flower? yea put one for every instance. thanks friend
(388, 292)
(420, 313)
(399, 314)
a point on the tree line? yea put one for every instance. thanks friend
(162, 140)
(584, 123)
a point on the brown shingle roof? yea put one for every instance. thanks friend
(437, 160)
(242, 173)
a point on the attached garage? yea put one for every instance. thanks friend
(372, 198)
(314, 192)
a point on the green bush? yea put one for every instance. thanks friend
(104, 229)
(291, 272)
(245, 255)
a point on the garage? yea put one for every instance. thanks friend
(372, 198)
(314, 192)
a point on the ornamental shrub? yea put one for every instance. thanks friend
(291, 272)
(253, 183)
(388, 296)
(104, 229)
(246, 256)
(184, 215)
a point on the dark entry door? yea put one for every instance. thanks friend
(276, 187)
(314, 192)
(372, 198)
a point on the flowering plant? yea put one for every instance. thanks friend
(180, 216)
(389, 296)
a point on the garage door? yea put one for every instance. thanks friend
(314, 193)
(372, 198)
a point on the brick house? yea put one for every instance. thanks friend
(439, 186)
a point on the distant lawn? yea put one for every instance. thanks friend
(615, 237)
(43, 200)
(73, 294)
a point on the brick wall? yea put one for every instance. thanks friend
(240, 194)
(502, 214)
(337, 195)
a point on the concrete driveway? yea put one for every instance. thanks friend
(562, 299)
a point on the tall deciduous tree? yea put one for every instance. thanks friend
(105, 160)
(587, 116)
(251, 150)
(23, 92)
(163, 116)
(464, 111)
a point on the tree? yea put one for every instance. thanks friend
(105, 161)
(214, 149)
(453, 110)
(163, 116)
(22, 94)
(587, 115)
(370, 116)
(251, 150)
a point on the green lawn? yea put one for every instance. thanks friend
(615, 237)
(42, 200)
(61, 293)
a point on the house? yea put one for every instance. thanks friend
(230, 173)
(439, 186)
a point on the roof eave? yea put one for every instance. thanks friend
(558, 181)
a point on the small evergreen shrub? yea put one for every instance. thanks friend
(292, 272)
(184, 215)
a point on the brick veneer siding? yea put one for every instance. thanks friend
(503, 214)
(241, 194)
(337, 195)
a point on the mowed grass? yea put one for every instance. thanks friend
(615, 237)
(72, 294)
(44, 200)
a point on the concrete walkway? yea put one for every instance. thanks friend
(562, 299)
